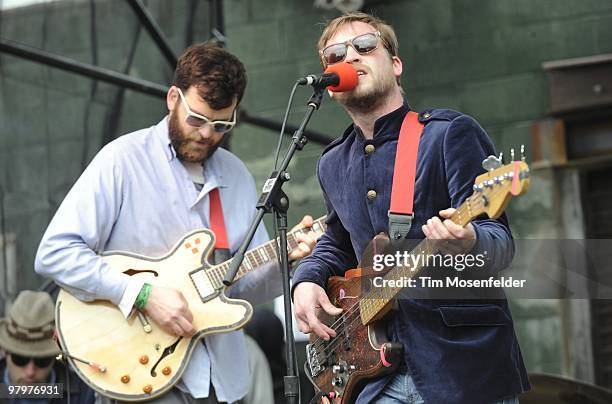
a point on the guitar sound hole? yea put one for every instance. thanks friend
(169, 350)
(132, 272)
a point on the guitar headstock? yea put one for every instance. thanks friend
(494, 189)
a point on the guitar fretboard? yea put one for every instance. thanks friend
(262, 255)
(377, 298)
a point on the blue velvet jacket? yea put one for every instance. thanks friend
(456, 351)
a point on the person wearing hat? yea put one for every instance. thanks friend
(29, 350)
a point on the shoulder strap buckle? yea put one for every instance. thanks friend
(399, 225)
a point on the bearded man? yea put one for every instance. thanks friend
(455, 351)
(147, 189)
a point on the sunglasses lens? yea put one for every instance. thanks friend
(365, 43)
(222, 127)
(194, 121)
(22, 361)
(43, 362)
(334, 53)
(19, 360)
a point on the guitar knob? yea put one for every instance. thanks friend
(337, 382)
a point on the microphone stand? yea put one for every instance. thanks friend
(274, 199)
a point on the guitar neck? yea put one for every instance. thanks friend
(262, 255)
(373, 303)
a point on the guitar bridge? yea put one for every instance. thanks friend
(312, 358)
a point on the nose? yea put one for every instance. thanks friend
(351, 55)
(30, 369)
(206, 131)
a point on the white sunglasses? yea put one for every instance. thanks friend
(199, 121)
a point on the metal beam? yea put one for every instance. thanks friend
(154, 30)
(217, 21)
(83, 69)
(123, 80)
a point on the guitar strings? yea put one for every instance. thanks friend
(216, 273)
(347, 322)
(335, 341)
(318, 342)
(342, 321)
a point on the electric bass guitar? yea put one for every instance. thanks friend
(341, 366)
(133, 359)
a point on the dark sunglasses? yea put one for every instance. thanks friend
(22, 361)
(362, 44)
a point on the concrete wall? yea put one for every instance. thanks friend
(482, 57)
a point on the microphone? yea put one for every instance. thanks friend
(338, 77)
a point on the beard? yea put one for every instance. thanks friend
(363, 100)
(181, 143)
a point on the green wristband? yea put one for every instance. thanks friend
(143, 296)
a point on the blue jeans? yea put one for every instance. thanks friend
(401, 389)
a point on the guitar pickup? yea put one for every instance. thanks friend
(312, 358)
(203, 285)
(346, 341)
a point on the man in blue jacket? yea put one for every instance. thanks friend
(454, 351)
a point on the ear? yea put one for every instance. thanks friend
(172, 98)
(397, 66)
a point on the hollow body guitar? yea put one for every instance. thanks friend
(360, 351)
(135, 360)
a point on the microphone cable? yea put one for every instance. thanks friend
(282, 131)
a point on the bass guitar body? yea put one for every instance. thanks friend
(340, 367)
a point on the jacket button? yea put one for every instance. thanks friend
(371, 194)
(426, 115)
(369, 148)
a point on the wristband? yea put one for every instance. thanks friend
(143, 296)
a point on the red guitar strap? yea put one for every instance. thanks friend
(217, 225)
(401, 210)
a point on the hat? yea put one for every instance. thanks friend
(28, 327)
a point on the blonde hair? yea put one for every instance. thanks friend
(387, 34)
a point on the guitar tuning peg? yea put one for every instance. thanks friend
(512, 154)
(522, 152)
(491, 163)
(501, 158)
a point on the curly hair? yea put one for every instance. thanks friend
(217, 74)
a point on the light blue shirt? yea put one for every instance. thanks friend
(136, 196)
